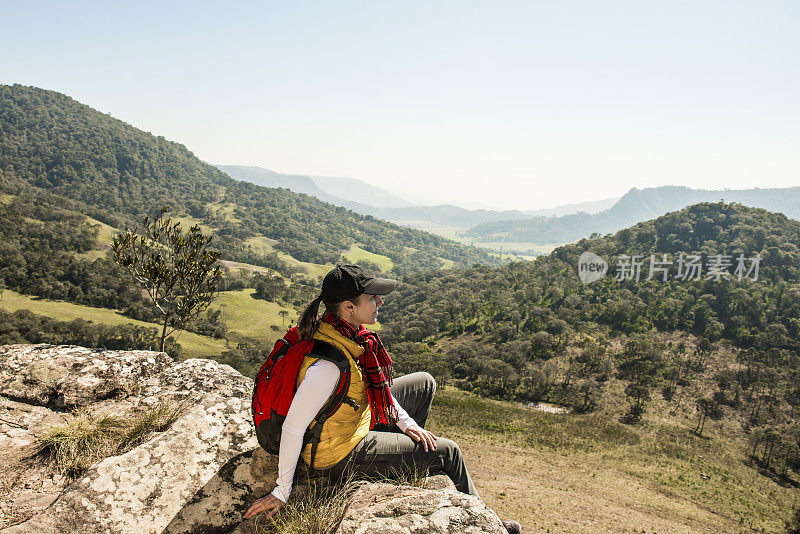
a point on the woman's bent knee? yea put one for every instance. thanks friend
(447, 447)
(429, 381)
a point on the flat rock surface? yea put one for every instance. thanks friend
(68, 376)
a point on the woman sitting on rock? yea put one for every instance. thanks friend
(383, 432)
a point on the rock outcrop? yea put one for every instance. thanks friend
(197, 476)
(435, 508)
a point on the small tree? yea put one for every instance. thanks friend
(789, 454)
(175, 268)
(641, 364)
(772, 438)
(284, 314)
(706, 408)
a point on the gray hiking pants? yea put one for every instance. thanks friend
(386, 451)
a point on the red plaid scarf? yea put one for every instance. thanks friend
(376, 366)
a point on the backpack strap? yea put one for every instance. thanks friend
(328, 352)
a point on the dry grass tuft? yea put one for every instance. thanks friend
(318, 510)
(408, 475)
(321, 508)
(142, 426)
(84, 439)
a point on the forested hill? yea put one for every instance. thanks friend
(519, 302)
(535, 331)
(116, 174)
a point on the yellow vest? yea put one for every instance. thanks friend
(346, 427)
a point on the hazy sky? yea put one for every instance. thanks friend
(507, 104)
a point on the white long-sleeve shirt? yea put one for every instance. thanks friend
(317, 386)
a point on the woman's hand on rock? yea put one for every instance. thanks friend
(420, 435)
(269, 505)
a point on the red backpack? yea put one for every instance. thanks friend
(275, 387)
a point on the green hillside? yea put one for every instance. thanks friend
(71, 178)
(116, 174)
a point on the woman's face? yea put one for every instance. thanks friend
(363, 311)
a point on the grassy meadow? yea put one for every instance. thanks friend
(357, 254)
(225, 210)
(590, 473)
(194, 345)
(105, 235)
(188, 221)
(514, 250)
(264, 245)
(448, 232)
(238, 266)
(245, 316)
(253, 318)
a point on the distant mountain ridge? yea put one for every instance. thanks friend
(636, 206)
(561, 224)
(360, 192)
(367, 199)
(338, 191)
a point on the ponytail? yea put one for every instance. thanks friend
(308, 322)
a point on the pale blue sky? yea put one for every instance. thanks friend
(509, 104)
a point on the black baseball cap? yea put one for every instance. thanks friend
(345, 282)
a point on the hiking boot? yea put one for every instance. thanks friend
(512, 527)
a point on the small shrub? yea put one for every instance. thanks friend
(634, 415)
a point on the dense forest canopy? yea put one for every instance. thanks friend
(520, 302)
(117, 174)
